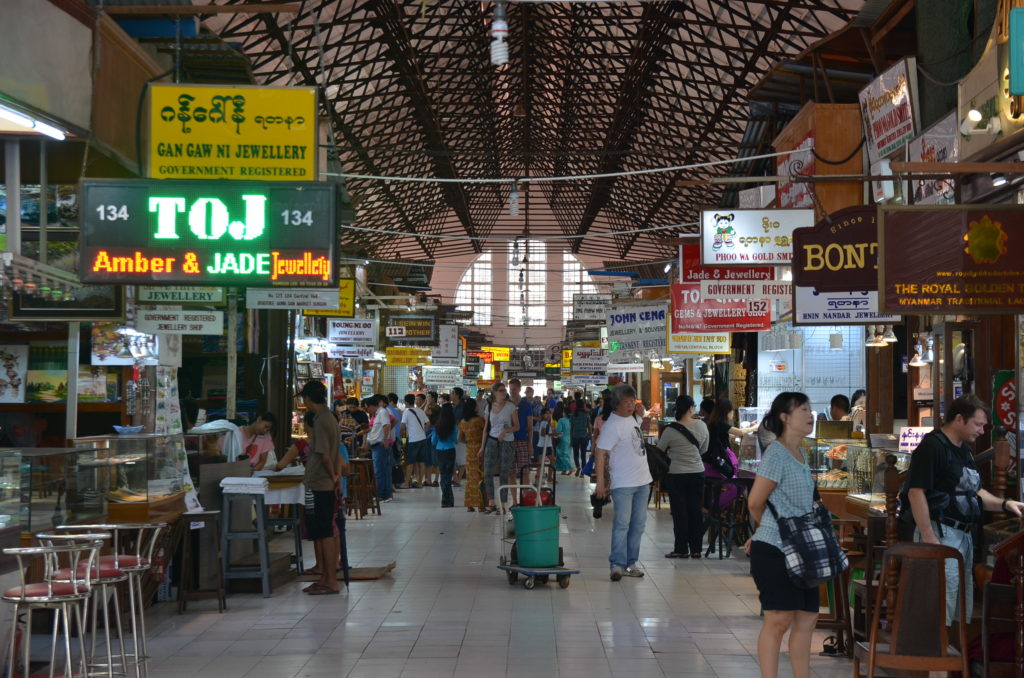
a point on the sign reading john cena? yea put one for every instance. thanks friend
(244, 233)
(952, 259)
(743, 237)
(636, 327)
(232, 132)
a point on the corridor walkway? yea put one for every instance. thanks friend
(448, 611)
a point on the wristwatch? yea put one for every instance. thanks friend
(1005, 501)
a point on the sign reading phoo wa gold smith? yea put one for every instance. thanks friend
(232, 132)
(951, 259)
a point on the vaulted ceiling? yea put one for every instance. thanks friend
(590, 88)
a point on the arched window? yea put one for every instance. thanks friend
(575, 280)
(527, 289)
(474, 291)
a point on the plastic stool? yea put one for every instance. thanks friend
(229, 534)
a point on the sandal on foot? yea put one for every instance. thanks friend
(676, 554)
(323, 591)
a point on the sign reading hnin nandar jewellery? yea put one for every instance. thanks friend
(256, 234)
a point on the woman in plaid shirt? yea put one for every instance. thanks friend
(784, 479)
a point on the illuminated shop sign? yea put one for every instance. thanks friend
(256, 234)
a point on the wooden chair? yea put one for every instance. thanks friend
(918, 638)
(1003, 610)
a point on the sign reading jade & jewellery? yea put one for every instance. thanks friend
(253, 234)
(232, 132)
(839, 253)
(952, 259)
(733, 237)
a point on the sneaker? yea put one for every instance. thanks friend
(616, 573)
(633, 571)
(388, 500)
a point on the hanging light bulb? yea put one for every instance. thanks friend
(499, 32)
(513, 202)
(889, 336)
(929, 354)
(916, 361)
(835, 341)
(875, 336)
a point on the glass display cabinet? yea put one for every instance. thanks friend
(141, 477)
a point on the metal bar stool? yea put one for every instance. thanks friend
(51, 593)
(133, 545)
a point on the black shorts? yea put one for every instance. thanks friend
(320, 522)
(776, 590)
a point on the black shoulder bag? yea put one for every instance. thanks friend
(717, 459)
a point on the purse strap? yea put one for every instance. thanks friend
(686, 432)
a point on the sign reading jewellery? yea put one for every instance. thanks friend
(839, 253)
(232, 132)
(950, 259)
(244, 233)
(691, 313)
(812, 307)
(735, 237)
(633, 327)
(888, 109)
(352, 332)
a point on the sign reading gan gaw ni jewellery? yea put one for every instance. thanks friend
(239, 233)
(407, 356)
(232, 132)
(633, 327)
(734, 237)
(357, 332)
(952, 259)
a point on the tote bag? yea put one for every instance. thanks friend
(809, 543)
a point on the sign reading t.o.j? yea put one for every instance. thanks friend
(232, 132)
(256, 234)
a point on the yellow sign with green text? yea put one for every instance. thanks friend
(232, 132)
(346, 301)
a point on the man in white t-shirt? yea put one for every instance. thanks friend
(622, 440)
(417, 447)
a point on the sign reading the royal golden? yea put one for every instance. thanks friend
(951, 259)
(232, 132)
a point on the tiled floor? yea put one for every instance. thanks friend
(448, 611)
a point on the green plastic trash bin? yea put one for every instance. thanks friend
(536, 535)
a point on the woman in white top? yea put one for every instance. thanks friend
(499, 453)
(684, 441)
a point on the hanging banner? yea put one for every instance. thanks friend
(839, 253)
(797, 162)
(300, 298)
(694, 271)
(838, 308)
(691, 313)
(698, 343)
(626, 368)
(633, 327)
(407, 356)
(242, 233)
(588, 360)
(733, 237)
(346, 301)
(447, 342)
(352, 332)
(952, 259)
(338, 352)
(418, 329)
(590, 306)
(888, 109)
(442, 377)
(775, 290)
(939, 143)
(152, 321)
(209, 296)
(498, 353)
(232, 132)
(444, 362)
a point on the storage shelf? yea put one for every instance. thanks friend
(59, 407)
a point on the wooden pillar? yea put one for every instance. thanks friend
(879, 372)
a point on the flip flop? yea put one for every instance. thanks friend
(311, 587)
(676, 554)
(323, 591)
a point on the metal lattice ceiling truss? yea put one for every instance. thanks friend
(590, 88)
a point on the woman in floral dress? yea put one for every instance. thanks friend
(471, 432)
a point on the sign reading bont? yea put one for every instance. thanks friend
(734, 237)
(254, 234)
(952, 259)
(839, 253)
(232, 132)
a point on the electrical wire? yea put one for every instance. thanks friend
(441, 236)
(464, 267)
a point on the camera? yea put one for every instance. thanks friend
(598, 505)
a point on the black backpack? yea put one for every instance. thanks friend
(938, 499)
(717, 459)
(657, 461)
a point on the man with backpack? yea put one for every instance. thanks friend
(943, 494)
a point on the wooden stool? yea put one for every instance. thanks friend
(363, 488)
(186, 587)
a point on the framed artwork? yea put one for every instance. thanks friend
(316, 370)
(302, 370)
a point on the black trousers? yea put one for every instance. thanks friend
(685, 491)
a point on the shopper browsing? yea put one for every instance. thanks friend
(685, 441)
(417, 447)
(377, 440)
(622, 441)
(444, 437)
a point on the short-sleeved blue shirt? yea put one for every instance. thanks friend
(793, 494)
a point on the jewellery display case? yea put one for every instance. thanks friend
(140, 477)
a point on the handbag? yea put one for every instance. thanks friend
(717, 460)
(810, 547)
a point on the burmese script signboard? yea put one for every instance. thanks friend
(952, 259)
(887, 107)
(839, 253)
(236, 233)
(232, 132)
(735, 237)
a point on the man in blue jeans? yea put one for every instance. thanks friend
(622, 443)
(377, 441)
